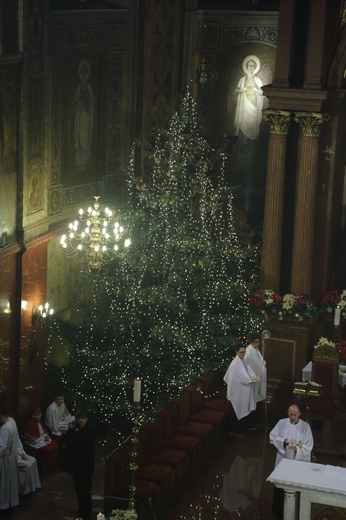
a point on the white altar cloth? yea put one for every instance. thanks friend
(306, 485)
(306, 373)
(309, 475)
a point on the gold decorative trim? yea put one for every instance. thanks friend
(310, 122)
(326, 352)
(279, 121)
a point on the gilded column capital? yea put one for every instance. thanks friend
(279, 121)
(310, 122)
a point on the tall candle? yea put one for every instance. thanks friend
(337, 316)
(137, 390)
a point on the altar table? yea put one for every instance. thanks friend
(315, 484)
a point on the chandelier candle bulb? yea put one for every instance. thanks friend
(137, 390)
(337, 316)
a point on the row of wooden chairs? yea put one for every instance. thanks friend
(170, 449)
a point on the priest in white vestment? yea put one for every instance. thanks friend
(254, 358)
(292, 437)
(240, 380)
(8, 462)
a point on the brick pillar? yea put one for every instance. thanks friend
(302, 254)
(272, 227)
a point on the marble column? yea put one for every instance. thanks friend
(273, 213)
(302, 252)
(290, 510)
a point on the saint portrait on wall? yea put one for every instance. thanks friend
(84, 115)
(54, 200)
(245, 100)
(8, 130)
(8, 155)
(35, 192)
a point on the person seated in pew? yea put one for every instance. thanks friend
(36, 436)
(58, 417)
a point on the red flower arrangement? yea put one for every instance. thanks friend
(330, 301)
(341, 347)
(297, 305)
(267, 300)
(289, 305)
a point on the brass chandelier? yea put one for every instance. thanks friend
(95, 239)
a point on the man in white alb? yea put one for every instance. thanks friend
(28, 476)
(9, 493)
(292, 437)
(58, 417)
(255, 359)
(240, 380)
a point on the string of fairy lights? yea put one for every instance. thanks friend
(174, 306)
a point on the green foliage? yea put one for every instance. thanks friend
(174, 306)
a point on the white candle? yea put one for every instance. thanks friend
(137, 390)
(337, 316)
(100, 515)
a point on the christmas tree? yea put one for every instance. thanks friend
(172, 308)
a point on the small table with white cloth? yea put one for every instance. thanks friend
(307, 370)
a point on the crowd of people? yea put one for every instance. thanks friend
(61, 441)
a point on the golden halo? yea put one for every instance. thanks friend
(251, 58)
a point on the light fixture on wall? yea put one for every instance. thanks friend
(204, 76)
(98, 240)
(40, 313)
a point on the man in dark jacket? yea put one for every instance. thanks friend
(81, 438)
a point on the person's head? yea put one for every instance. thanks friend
(250, 65)
(240, 350)
(59, 399)
(4, 413)
(37, 414)
(81, 418)
(293, 413)
(255, 339)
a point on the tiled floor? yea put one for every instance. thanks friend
(234, 485)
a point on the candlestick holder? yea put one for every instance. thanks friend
(133, 466)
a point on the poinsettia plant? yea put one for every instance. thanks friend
(341, 347)
(330, 301)
(299, 305)
(289, 305)
(324, 341)
(267, 300)
(342, 302)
